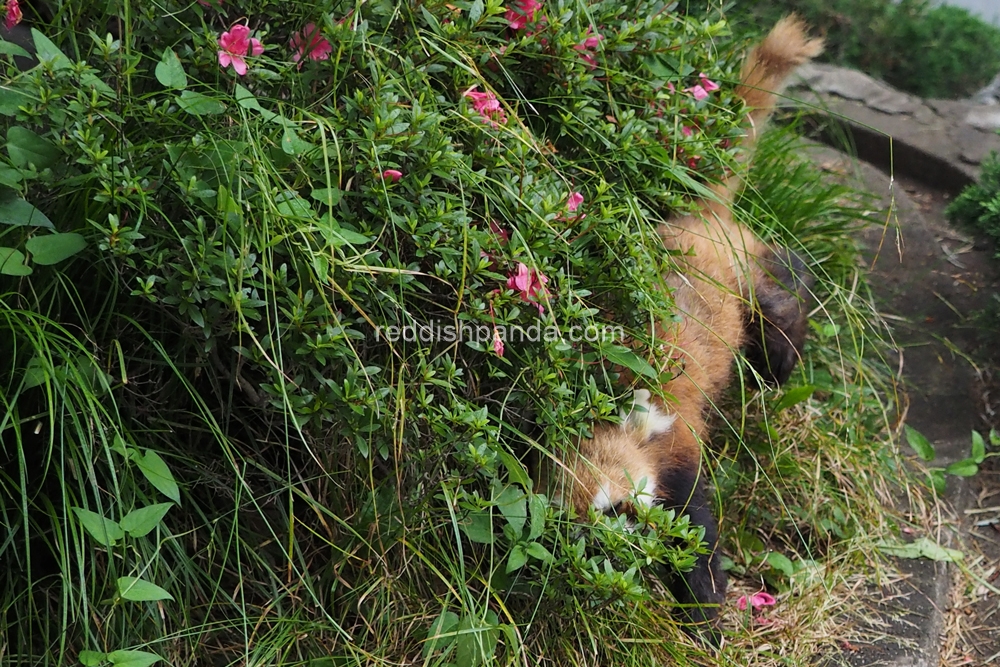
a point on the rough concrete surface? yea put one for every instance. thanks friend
(928, 279)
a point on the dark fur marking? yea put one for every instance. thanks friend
(701, 591)
(776, 327)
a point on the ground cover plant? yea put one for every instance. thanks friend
(294, 295)
(928, 49)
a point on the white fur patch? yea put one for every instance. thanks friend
(646, 417)
(602, 500)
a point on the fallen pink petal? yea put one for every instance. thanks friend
(707, 83)
(392, 175)
(310, 43)
(755, 601)
(698, 91)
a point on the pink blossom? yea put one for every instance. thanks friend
(500, 232)
(209, 3)
(530, 284)
(310, 43)
(497, 342)
(521, 13)
(487, 105)
(573, 201)
(686, 131)
(392, 175)
(671, 87)
(13, 14)
(587, 47)
(698, 92)
(756, 601)
(235, 44)
(707, 83)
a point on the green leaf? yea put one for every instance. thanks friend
(91, 658)
(9, 176)
(12, 49)
(12, 263)
(170, 71)
(337, 236)
(518, 557)
(16, 211)
(443, 625)
(140, 590)
(794, 396)
(781, 563)
(476, 11)
(978, 447)
(513, 504)
(937, 481)
(105, 531)
(994, 437)
(54, 248)
(35, 374)
(142, 521)
(921, 548)
(537, 509)
(536, 550)
(197, 104)
(47, 52)
(156, 471)
(291, 205)
(919, 443)
(478, 527)
(622, 356)
(12, 100)
(963, 468)
(328, 196)
(515, 469)
(25, 147)
(476, 643)
(133, 658)
(292, 144)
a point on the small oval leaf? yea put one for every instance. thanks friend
(170, 71)
(12, 263)
(919, 443)
(104, 530)
(133, 658)
(156, 471)
(142, 521)
(197, 104)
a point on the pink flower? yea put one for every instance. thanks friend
(686, 131)
(573, 201)
(521, 13)
(497, 342)
(698, 92)
(530, 284)
(487, 105)
(311, 44)
(392, 175)
(500, 232)
(707, 83)
(13, 14)
(235, 44)
(209, 3)
(756, 601)
(587, 47)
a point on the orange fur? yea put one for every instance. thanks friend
(717, 271)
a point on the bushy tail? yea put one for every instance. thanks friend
(768, 64)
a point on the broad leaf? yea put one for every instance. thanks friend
(436, 639)
(25, 147)
(536, 550)
(513, 504)
(143, 520)
(978, 447)
(197, 104)
(47, 52)
(919, 443)
(140, 590)
(963, 468)
(328, 196)
(794, 396)
(478, 527)
(623, 356)
(133, 658)
(91, 658)
(170, 71)
(781, 563)
(921, 548)
(104, 530)
(156, 471)
(12, 49)
(54, 248)
(12, 263)
(16, 211)
(518, 557)
(537, 506)
(11, 100)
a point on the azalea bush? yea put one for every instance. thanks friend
(297, 296)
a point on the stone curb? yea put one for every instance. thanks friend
(939, 142)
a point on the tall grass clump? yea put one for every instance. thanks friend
(928, 49)
(296, 294)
